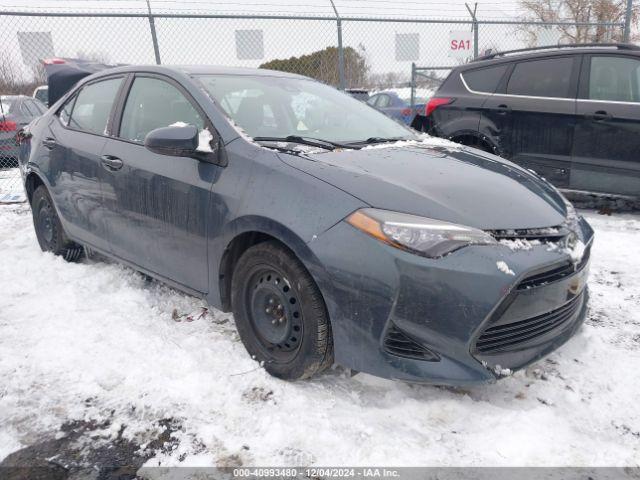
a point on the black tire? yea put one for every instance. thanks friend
(280, 313)
(49, 231)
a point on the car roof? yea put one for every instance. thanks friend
(199, 70)
(508, 57)
(386, 92)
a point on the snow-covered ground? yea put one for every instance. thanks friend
(96, 341)
(10, 185)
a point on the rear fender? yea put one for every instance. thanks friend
(450, 123)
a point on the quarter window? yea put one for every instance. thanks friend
(93, 106)
(384, 101)
(550, 77)
(153, 103)
(614, 79)
(485, 79)
(65, 111)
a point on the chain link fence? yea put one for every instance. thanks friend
(347, 52)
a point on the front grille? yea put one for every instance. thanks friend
(398, 343)
(548, 276)
(555, 274)
(511, 336)
(548, 234)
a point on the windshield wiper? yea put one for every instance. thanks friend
(310, 141)
(373, 140)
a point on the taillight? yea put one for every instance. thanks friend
(406, 112)
(435, 103)
(8, 126)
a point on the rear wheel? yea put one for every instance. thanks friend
(280, 314)
(49, 232)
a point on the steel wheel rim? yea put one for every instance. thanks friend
(275, 313)
(46, 223)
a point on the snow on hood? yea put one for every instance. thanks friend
(425, 140)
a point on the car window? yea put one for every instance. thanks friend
(485, 79)
(372, 101)
(64, 114)
(153, 103)
(38, 106)
(32, 108)
(93, 106)
(384, 101)
(25, 110)
(550, 77)
(614, 79)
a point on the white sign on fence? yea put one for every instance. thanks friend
(461, 44)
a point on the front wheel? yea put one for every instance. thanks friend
(280, 314)
(51, 236)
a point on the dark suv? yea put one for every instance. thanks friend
(571, 113)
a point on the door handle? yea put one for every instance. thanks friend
(601, 115)
(111, 163)
(503, 109)
(49, 143)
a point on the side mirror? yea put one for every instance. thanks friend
(178, 141)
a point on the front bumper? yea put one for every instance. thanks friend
(470, 318)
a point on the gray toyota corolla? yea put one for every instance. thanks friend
(333, 233)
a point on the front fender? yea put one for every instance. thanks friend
(220, 251)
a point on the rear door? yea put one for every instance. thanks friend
(537, 105)
(470, 112)
(74, 142)
(606, 145)
(158, 204)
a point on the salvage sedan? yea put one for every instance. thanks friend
(333, 233)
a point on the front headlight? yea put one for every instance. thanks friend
(424, 236)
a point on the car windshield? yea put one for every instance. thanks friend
(280, 107)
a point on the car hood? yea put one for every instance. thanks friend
(451, 183)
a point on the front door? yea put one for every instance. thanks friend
(607, 141)
(536, 111)
(158, 204)
(74, 143)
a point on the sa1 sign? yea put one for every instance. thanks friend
(461, 44)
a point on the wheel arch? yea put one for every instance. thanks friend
(250, 231)
(31, 182)
(475, 139)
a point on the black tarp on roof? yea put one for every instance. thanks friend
(64, 73)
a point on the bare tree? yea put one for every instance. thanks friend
(575, 14)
